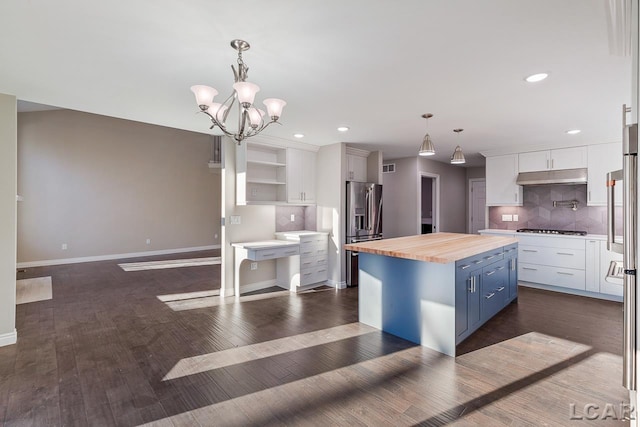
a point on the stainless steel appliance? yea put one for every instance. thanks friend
(629, 177)
(363, 220)
(551, 231)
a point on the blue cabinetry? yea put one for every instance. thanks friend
(485, 284)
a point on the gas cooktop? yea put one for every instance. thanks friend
(550, 231)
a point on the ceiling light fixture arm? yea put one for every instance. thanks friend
(250, 118)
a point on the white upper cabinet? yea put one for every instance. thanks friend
(356, 168)
(260, 174)
(563, 158)
(603, 158)
(301, 176)
(501, 175)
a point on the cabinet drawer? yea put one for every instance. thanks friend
(314, 275)
(554, 276)
(552, 242)
(271, 253)
(312, 262)
(480, 260)
(566, 258)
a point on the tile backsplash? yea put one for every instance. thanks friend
(538, 211)
(304, 218)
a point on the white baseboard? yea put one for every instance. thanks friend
(9, 338)
(337, 285)
(257, 286)
(570, 291)
(112, 256)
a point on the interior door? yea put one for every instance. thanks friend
(478, 206)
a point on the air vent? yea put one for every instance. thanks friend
(389, 168)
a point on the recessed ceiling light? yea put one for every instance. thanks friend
(298, 135)
(573, 131)
(343, 129)
(537, 77)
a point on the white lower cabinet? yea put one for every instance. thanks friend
(310, 267)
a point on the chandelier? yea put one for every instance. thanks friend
(251, 119)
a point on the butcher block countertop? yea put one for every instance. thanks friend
(442, 248)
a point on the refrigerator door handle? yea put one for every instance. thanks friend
(612, 245)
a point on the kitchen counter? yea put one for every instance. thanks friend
(440, 248)
(435, 289)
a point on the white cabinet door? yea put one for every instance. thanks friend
(569, 158)
(501, 174)
(533, 161)
(356, 168)
(308, 177)
(294, 173)
(592, 264)
(301, 176)
(603, 158)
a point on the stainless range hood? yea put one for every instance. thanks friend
(565, 176)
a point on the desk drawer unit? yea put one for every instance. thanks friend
(312, 265)
(272, 253)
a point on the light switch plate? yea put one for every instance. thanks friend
(515, 217)
(293, 217)
(235, 220)
(507, 217)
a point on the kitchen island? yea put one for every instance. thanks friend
(435, 289)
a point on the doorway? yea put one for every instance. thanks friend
(477, 205)
(428, 204)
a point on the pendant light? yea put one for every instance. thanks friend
(426, 149)
(457, 158)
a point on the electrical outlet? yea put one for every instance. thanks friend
(254, 192)
(215, 236)
(64, 246)
(235, 220)
(507, 217)
(254, 265)
(293, 217)
(148, 241)
(515, 217)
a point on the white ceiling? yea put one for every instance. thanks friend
(373, 66)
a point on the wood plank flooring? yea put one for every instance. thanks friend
(106, 351)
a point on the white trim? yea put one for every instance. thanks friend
(337, 285)
(9, 338)
(435, 204)
(570, 291)
(517, 149)
(256, 286)
(470, 204)
(112, 256)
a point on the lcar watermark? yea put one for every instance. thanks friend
(608, 411)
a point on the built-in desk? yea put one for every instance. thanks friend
(260, 251)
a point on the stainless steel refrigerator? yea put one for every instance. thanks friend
(363, 220)
(629, 177)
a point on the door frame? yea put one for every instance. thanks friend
(470, 203)
(435, 201)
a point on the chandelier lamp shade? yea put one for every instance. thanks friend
(427, 149)
(251, 120)
(457, 158)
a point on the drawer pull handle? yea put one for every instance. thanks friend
(307, 274)
(491, 272)
(464, 267)
(566, 274)
(291, 252)
(527, 268)
(321, 271)
(269, 254)
(490, 257)
(564, 253)
(490, 295)
(501, 268)
(500, 289)
(529, 250)
(477, 262)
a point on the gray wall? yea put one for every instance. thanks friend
(8, 142)
(400, 208)
(104, 185)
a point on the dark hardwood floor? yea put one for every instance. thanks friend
(107, 351)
